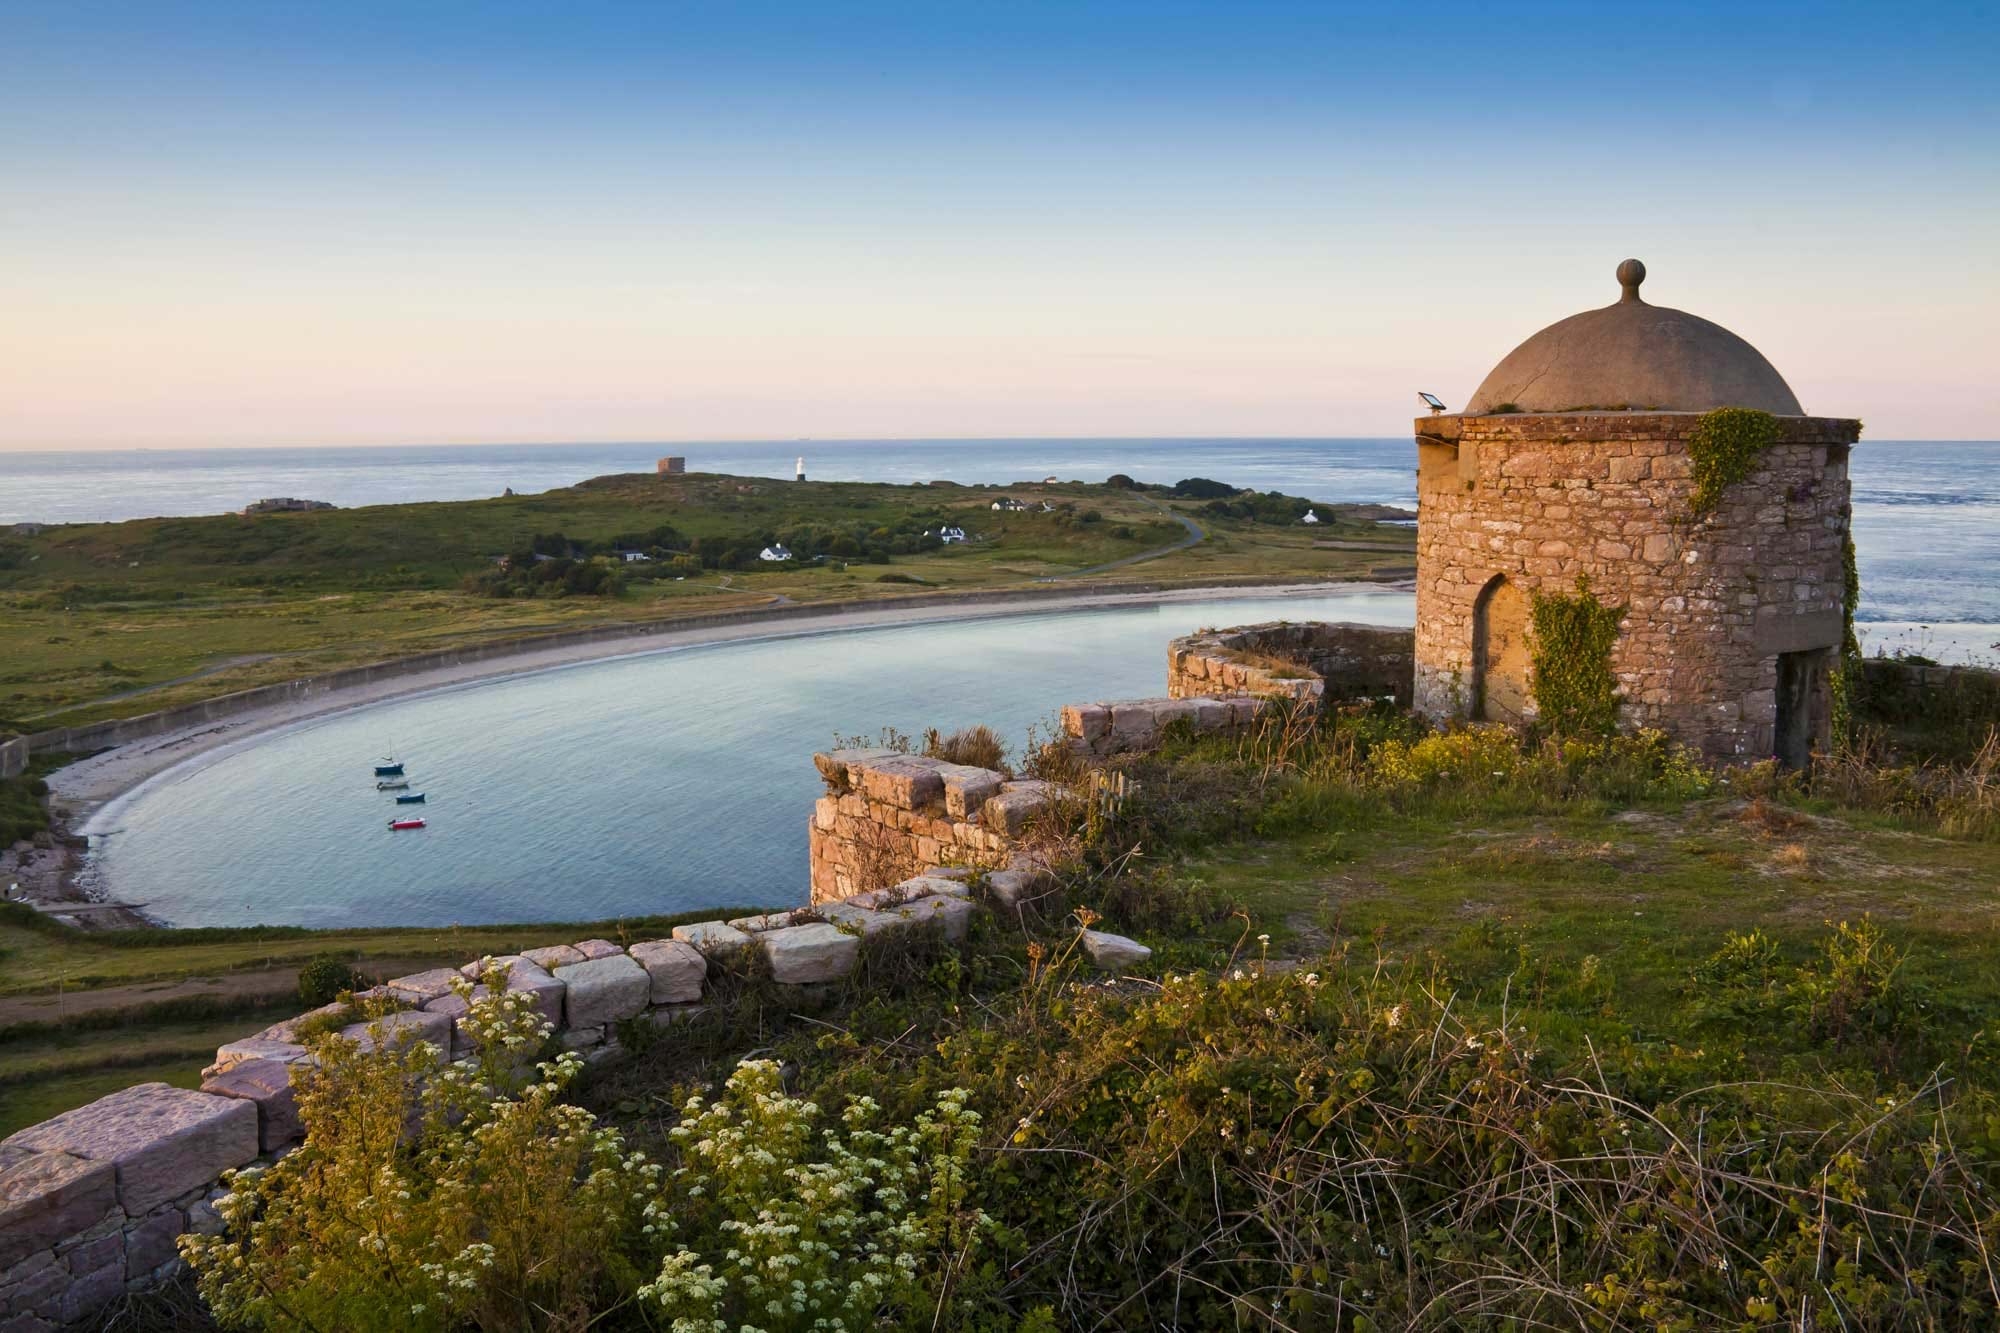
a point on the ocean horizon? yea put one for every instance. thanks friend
(1926, 512)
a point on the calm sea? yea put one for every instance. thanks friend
(1926, 521)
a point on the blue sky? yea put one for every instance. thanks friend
(297, 224)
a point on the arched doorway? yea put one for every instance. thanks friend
(1500, 660)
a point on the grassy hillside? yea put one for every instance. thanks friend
(113, 619)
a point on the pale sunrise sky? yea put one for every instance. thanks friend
(289, 224)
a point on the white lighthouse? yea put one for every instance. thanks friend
(802, 469)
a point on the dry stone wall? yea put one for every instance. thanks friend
(1510, 505)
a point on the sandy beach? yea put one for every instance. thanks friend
(80, 792)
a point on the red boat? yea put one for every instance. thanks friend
(406, 823)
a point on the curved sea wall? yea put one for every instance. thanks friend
(92, 1200)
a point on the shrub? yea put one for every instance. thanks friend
(1575, 692)
(780, 1225)
(324, 977)
(1201, 488)
(976, 746)
(431, 1194)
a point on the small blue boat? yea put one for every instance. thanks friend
(414, 798)
(388, 770)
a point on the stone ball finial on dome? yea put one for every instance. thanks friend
(1630, 274)
(1632, 355)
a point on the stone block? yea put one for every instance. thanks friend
(847, 916)
(161, 1140)
(48, 1196)
(267, 1085)
(552, 956)
(677, 970)
(91, 1292)
(392, 1031)
(255, 1048)
(287, 1031)
(35, 1284)
(603, 990)
(750, 925)
(1089, 723)
(523, 974)
(712, 937)
(1134, 726)
(838, 766)
(958, 873)
(87, 1256)
(1015, 886)
(1113, 953)
(933, 885)
(578, 1039)
(1009, 812)
(967, 788)
(800, 955)
(597, 948)
(150, 1242)
(906, 781)
(422, 987)
(952, 915)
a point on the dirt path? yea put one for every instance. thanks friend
(1196, 535)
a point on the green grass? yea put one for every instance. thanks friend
(186, 608)
(38, 956)
(58, 1055)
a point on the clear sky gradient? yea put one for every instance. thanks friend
(292, 223)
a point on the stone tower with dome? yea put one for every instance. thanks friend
(1657, 465)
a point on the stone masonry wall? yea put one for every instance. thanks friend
(13, 757)
(1538, 499)
(886, 813)
(91, 1201)
(1306, 660)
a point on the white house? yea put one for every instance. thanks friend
(634, 557)
(775, 553)
(950, 535)
(1007, 504)
(1310, 517)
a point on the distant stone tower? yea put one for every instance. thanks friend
(1573, 458)
(673, 466)
(802, 469)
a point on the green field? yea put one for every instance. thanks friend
(85, 1013)
(115, 619)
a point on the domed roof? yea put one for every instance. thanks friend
(1638, 356)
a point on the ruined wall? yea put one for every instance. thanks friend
(886, 813)
(92, 1200)
(1307, 660)
(1513, 504)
